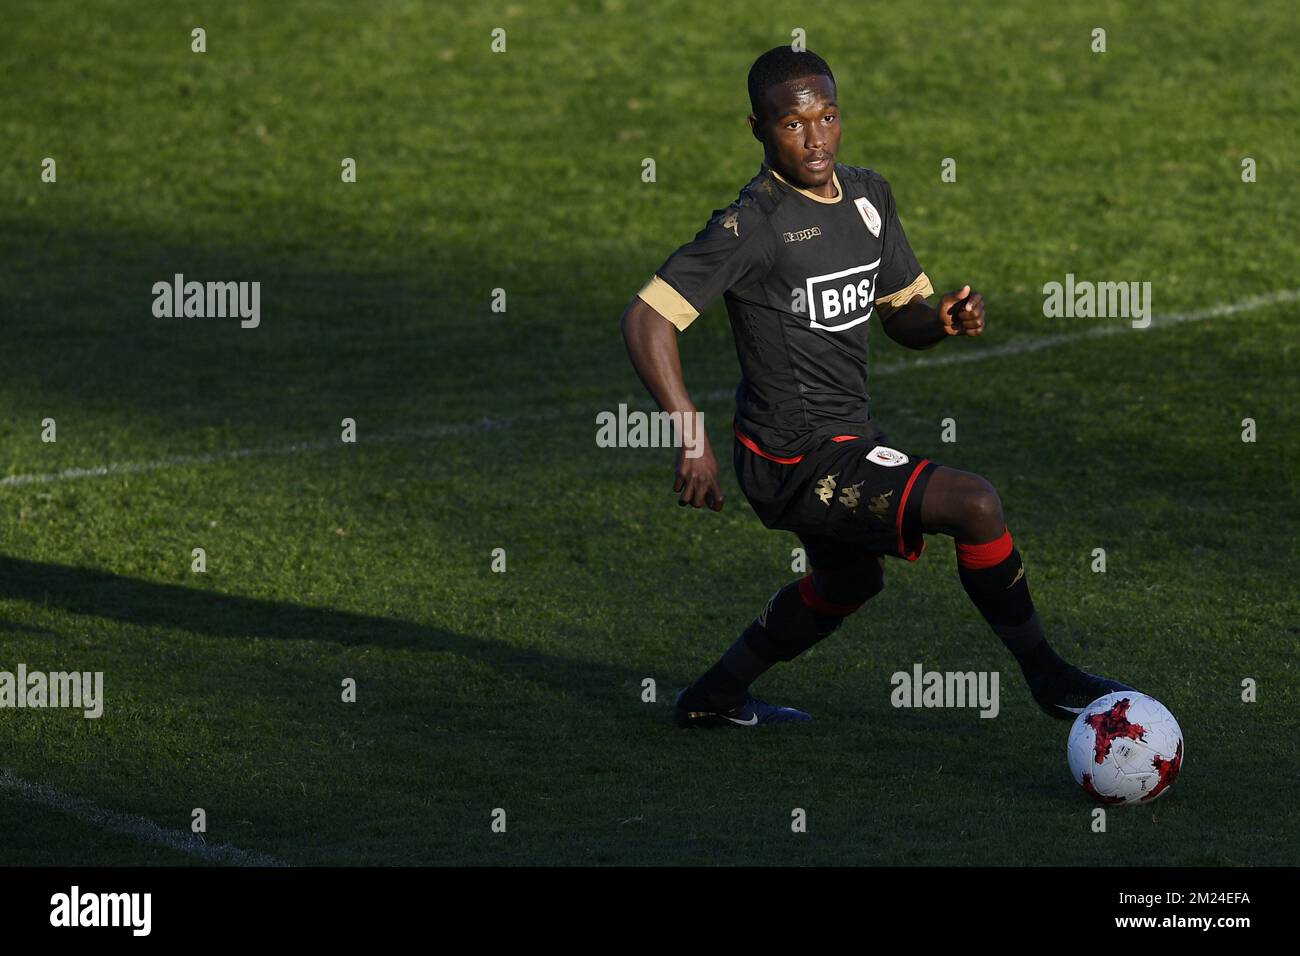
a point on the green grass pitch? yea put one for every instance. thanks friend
(522, 690)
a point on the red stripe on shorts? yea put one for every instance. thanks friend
(753, 446)
(902, 506)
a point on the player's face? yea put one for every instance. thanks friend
(800, 131)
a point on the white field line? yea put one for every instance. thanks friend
(437, 432)
(132, 826)
(1112, 327)
(434, 432)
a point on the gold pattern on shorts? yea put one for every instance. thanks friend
(850, 496)
(826, 489)
(880, 504)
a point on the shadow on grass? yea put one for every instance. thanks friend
(130, 600)
(403, 334)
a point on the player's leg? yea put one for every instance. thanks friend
(796, 617)
(967, 508)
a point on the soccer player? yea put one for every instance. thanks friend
(805, 256)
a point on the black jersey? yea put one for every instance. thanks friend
(801, 276)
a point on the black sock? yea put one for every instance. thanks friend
(786, 628)
(722, 687)
(1032, 652)
(994, 578)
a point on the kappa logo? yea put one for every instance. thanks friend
(880, 504)
(802, 234)
(850, 496)
(889, 457)
(731, 221)
(826, 489)
(869, 215)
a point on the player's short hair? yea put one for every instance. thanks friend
(780, 65)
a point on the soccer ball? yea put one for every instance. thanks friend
(1125, 748)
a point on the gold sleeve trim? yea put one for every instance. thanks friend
(920, 286)
(668, 302)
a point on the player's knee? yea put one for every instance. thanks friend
(981, 513)
(963, 505)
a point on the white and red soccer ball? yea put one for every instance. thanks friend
(1125, 747)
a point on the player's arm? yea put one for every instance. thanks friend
(919, 325)
(904, 309)
(651, 342)
(734, 250)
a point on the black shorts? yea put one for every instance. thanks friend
(853, 495)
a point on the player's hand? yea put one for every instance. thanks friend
(962, 312)
(697, 479)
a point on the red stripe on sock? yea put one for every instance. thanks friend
(977, 556)
(808, 593)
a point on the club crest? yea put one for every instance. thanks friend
(869, 215)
